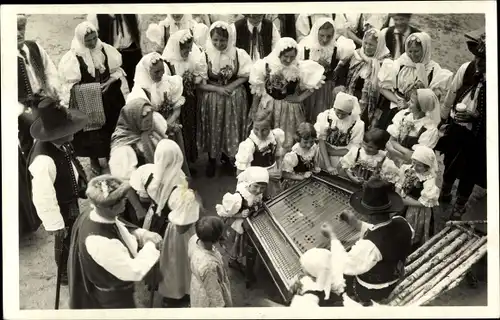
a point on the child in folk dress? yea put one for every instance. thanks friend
(417, 186)
(302, 161)
(239, 205)
(210, 286)
(263, 148)
(362, 163)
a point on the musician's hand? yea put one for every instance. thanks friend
(153, 237)
(348, 217)
(402, 104)
(245, 213)
(327, 231)
(464, 116)
(308, 174)
(59, 233)
(331, 170)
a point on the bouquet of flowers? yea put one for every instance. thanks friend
(410, 180)
(325, 64)
(406, 127)
(226, 74)
(188, 83)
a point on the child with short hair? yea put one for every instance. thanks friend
(245, 201)
(210, 286)
(362, 163)
(303, 160)
(263, 148)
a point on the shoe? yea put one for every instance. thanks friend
(458, 211)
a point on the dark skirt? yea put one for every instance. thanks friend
(28, 218)
(130, 58)
(188, 121)
(387, 113)
(96, 143)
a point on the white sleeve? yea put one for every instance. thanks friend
(387, 74)
(441, 82)
(345, 48)
(393, 129)
(244, 156)
(257, 78)
(69, 73)
(245, 63)
(50, 71)
(231, 204)
(363, 256)
(349, 160)
(357, 134)
(311, 74)
(115, 258)
(122, 162)
(302, 26)
(321, 126)
(114, 61)
(429, 138)
(200, 32)
(455, 85)
(276, 36)
(174, 91)
(429, 197)
(290, 161)
(43, 171)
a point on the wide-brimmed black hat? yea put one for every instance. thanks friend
(376, 197)
(476, 42)
(55, 121)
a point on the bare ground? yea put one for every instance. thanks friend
(37, 268)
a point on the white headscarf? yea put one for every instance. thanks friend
(94, 59)
(429, 104)
(167, 171)
(326, 268)
(273, 59)
(253, 175)
(424, 66)
(311, 41)
(427, 156)
(172, 52)
(347, 103)
(155, 31)
(142, 78)
(220, 59)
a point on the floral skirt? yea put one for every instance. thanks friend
(284, 115)
(321, 100)
(222, 122)
(420, 219)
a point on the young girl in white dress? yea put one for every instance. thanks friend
(223, 103)
(303, 160)
(166, 185)
(263, 148)
(417, 186)
(339, 129)
(362, 163)
(322, 46)
(397, 78)
(280, 84)
(235, 207)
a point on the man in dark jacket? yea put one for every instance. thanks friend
(395, 36)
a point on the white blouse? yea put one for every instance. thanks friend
(195, 64)
(69, 70)
(343, 125)
(429, 197)
(389, 171)
(390, 72)
(405, 125)
(246, 149)
(113, 254)
(232, 202)
(291, 159)
(244, 64)
(43, 170)
(303, 27)
(49, 67)
(308, 72)
(345, 49)
(121, 40)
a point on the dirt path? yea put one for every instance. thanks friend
(37, 269)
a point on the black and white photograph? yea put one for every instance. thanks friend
(199, 156)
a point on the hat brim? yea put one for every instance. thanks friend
(473, 46)
(397, 204)
(78, 120)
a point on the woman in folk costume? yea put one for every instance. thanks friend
(417, 186)
(92, 77)
(108, 255)
(223, 102)
(414, 126)
(339, 129)
(305, 22)
(182, 57)
(138, 132)
(362, 77)
(414, 67)
(166, 185)
(280, 83)
(236, 207)
(322, 282)
(163, 92)
(161, 32)
(333, 54)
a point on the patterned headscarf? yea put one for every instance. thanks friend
(220, 59)
(93, 58)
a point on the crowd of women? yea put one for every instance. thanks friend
(273, 98)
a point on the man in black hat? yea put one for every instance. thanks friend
(396, 35)
(108, 255)
(464, 114)
(376, 261)
(58, 178)
(122, 32)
